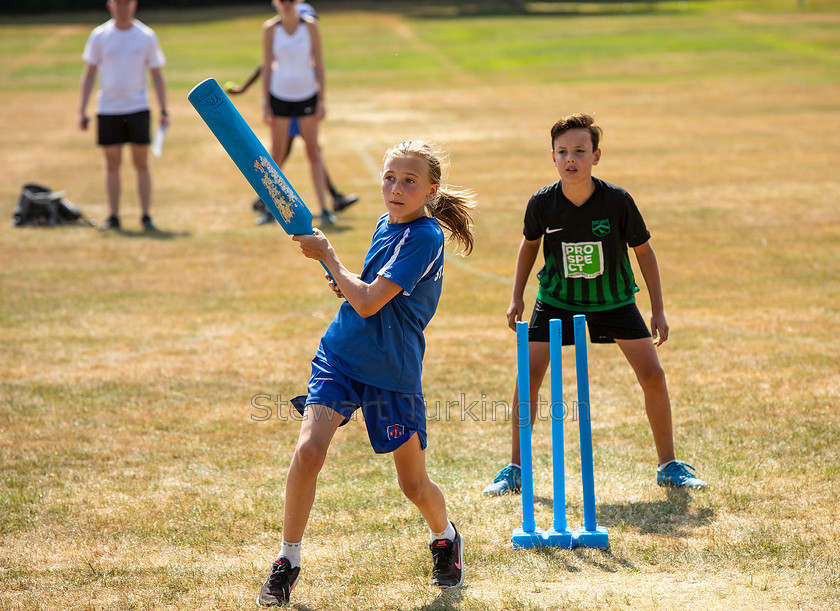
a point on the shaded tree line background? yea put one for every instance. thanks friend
(11, 7)
(41, 6)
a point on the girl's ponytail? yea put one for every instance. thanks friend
(452, 205)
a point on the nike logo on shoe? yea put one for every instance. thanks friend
(547, 230)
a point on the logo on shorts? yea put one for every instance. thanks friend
(395, 431)
(601, 228)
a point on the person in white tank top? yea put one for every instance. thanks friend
(292, 74)
(341, 201)
(295, 86)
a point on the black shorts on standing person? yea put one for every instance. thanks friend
(124, 129)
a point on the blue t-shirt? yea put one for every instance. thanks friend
(386, 350)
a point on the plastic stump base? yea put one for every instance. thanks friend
(566, 539)
(523, 539)
(597, 539)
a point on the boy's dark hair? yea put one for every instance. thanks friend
(577, 121)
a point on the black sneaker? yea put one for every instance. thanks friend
(258, 205)
(340, 202)
(278, 587)
(112, 222)
(447, 559)
(147, 223)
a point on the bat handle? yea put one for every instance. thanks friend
(326, 270)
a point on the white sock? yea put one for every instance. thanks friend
(513, 464)
(291, 552)
(448, 533)
(665, 465)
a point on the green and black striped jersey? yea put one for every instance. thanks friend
(587, 267)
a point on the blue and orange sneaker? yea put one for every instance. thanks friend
(678, 475)
(507, 481)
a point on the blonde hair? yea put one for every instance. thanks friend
(451, 205)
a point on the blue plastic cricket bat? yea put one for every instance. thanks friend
(250, 156)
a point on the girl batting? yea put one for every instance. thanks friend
(371, 356)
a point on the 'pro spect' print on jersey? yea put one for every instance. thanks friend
(583, 260)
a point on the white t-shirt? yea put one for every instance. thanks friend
(122, 58)
(292, 73)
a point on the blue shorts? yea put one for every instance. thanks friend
(391, 418)
(294, 127)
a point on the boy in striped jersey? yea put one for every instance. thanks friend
(586, 225)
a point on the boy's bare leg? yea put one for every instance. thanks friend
(641, 354)
(113, 160)
(140, 158)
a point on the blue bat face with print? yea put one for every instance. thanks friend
(251, 157)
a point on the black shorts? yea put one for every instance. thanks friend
(284, 108)
(605, 327)
(119, 129)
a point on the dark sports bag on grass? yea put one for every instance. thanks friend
(38, 205)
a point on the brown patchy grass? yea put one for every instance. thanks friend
(133, 474)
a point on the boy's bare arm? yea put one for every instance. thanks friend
(528, 251)
(88, 81)
(160, 90)
(650, 271)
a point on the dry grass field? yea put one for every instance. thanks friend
(136, 471)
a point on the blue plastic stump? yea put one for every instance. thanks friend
(559, 535)
(590, 534)
(529, 535)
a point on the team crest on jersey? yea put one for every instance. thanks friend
(601, 228)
